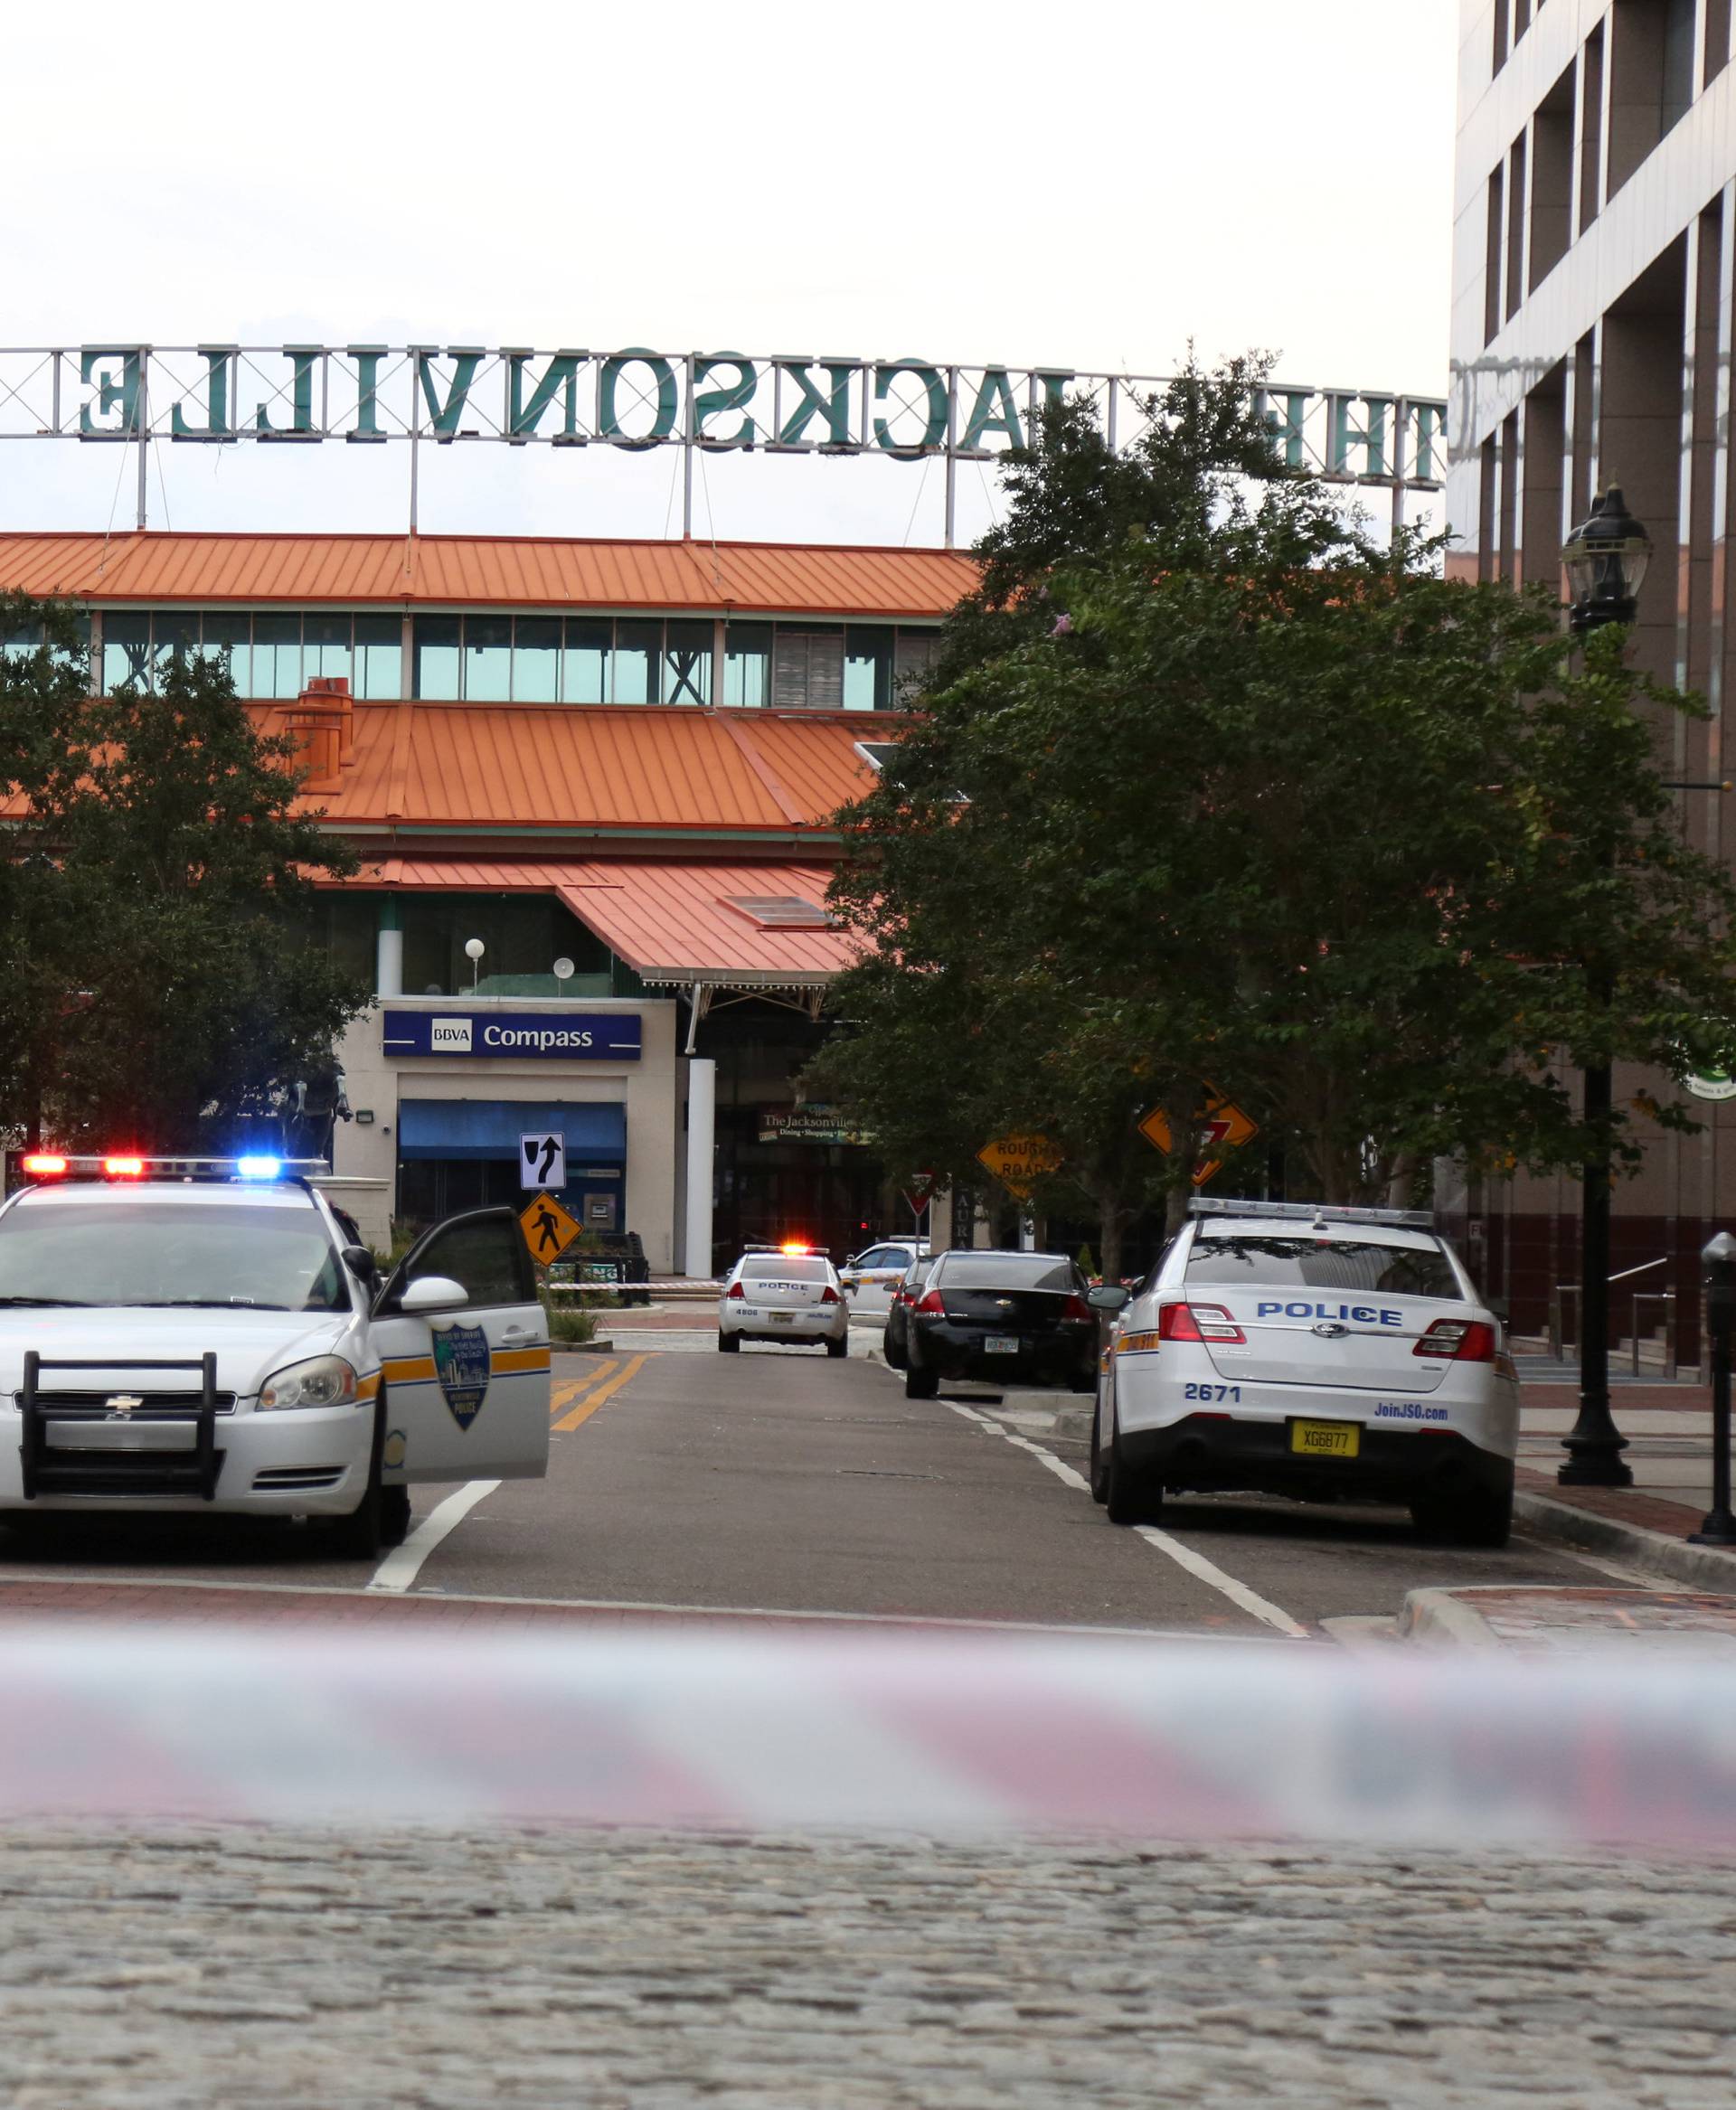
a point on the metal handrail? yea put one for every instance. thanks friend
(1666, 1297)
(1557, 1335)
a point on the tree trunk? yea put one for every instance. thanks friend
(1109, 1244)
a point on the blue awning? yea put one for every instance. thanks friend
(490, 1129)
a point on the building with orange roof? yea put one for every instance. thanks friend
(593, 785)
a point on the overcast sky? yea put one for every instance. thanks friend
(1087, 186)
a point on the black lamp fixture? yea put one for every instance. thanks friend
(1606, 558)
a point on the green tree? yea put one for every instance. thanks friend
(1232, 797)
(162, 875)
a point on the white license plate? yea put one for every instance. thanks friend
(783, 1318)
(1001, 1344)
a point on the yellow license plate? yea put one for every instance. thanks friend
(1326, 1439)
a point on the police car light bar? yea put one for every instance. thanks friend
(52, 1165)
(1314, 1212)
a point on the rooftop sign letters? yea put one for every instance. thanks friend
(906, 408)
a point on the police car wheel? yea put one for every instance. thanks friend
(729, 1343)
(394, 1515)
(837, 1348)
(1099, 1462)
(1129, 1497)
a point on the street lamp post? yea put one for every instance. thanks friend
(1606, 558)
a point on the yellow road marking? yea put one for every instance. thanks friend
(600, 1394)
(562, 1396)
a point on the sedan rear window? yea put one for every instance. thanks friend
(784, 1268)
(1006, 1271)
(1304, 1262)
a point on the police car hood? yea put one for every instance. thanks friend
(249, 1345)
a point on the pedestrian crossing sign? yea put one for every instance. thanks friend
(548, 1229)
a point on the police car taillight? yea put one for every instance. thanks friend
(829, 1295)
(1459, 1341)
(735, 1289)
(44, 1164)
(1196, 1323)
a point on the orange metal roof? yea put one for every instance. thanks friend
(489, 571)
(575, 767)
(670, 922)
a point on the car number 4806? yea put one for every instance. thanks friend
(1217, 1392)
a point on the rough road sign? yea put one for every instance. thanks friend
(548, 1229)
(1019, 1162)
(1224, 1127)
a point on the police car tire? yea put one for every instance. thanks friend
(727, 1344)
(1099, 1462)
(1129, 1497)
(837, 1348)
(394, 1515)
(361, 1535)
(921, 1384)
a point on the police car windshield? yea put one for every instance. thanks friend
(167, 1253)
(784, 1268)
(1313, 1263)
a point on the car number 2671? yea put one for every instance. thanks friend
(1218, 1392)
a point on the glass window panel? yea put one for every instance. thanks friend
(276, 655)
(488, 658)
(325, 647)
(21, 644)
(436, 656)
(125, 647)
(747, 665)
(584, 676)
(868, 667)
(229, 638)
(638, 648)
(174, 636)
(688, 662)
(379, 657)
(536, 659)
(81, 624)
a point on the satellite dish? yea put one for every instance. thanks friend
(563, 969)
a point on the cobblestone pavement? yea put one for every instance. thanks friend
(595, 1971)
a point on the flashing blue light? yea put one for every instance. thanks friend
(258, 1168)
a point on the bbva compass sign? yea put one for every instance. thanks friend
(910, 408)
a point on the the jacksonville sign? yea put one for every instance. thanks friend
(906, 409)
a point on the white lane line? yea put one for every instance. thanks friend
(400, 1567)
(1196, 1564)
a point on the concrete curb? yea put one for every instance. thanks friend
(1446, 1617)
(1704, 1568)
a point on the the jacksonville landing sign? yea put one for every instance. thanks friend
(906, 408)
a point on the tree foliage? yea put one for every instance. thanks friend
(161, 973)
(1215, 793)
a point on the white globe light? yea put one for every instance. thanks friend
(474, 949)
(563, 969)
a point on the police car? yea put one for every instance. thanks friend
(1322, 1353)
(783, 1293)
(209, 1334)
(871, 1278)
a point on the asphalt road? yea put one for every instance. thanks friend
(779, 1481)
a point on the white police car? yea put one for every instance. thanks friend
(871, 1278)
(783, 1293)
(200, 1334)
(1322, 1353)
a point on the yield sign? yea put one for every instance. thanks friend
(1224, 1127)
(920, 1192)
(1019, 1162)
(548, 1229)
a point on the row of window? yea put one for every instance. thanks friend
(532, 659)
(1588, 133)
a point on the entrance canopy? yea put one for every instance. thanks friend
(758, 927)
(490, 1129)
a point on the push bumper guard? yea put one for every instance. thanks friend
(118, 1471)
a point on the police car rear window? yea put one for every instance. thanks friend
(1305, 1263)
(784, 1267)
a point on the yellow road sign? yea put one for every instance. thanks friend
(1019, 1162)
(1224, 1127)
(548, 1229)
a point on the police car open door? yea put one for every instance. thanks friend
(468, 1384)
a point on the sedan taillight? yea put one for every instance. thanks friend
(1078, 1313)
(1459, 1341)
(735, 1289)
(829, 1295)
(1196, 1323)
(931, 1304)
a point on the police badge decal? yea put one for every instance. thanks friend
(461, 1364)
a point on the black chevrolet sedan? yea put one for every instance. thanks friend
(1001, 1319)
